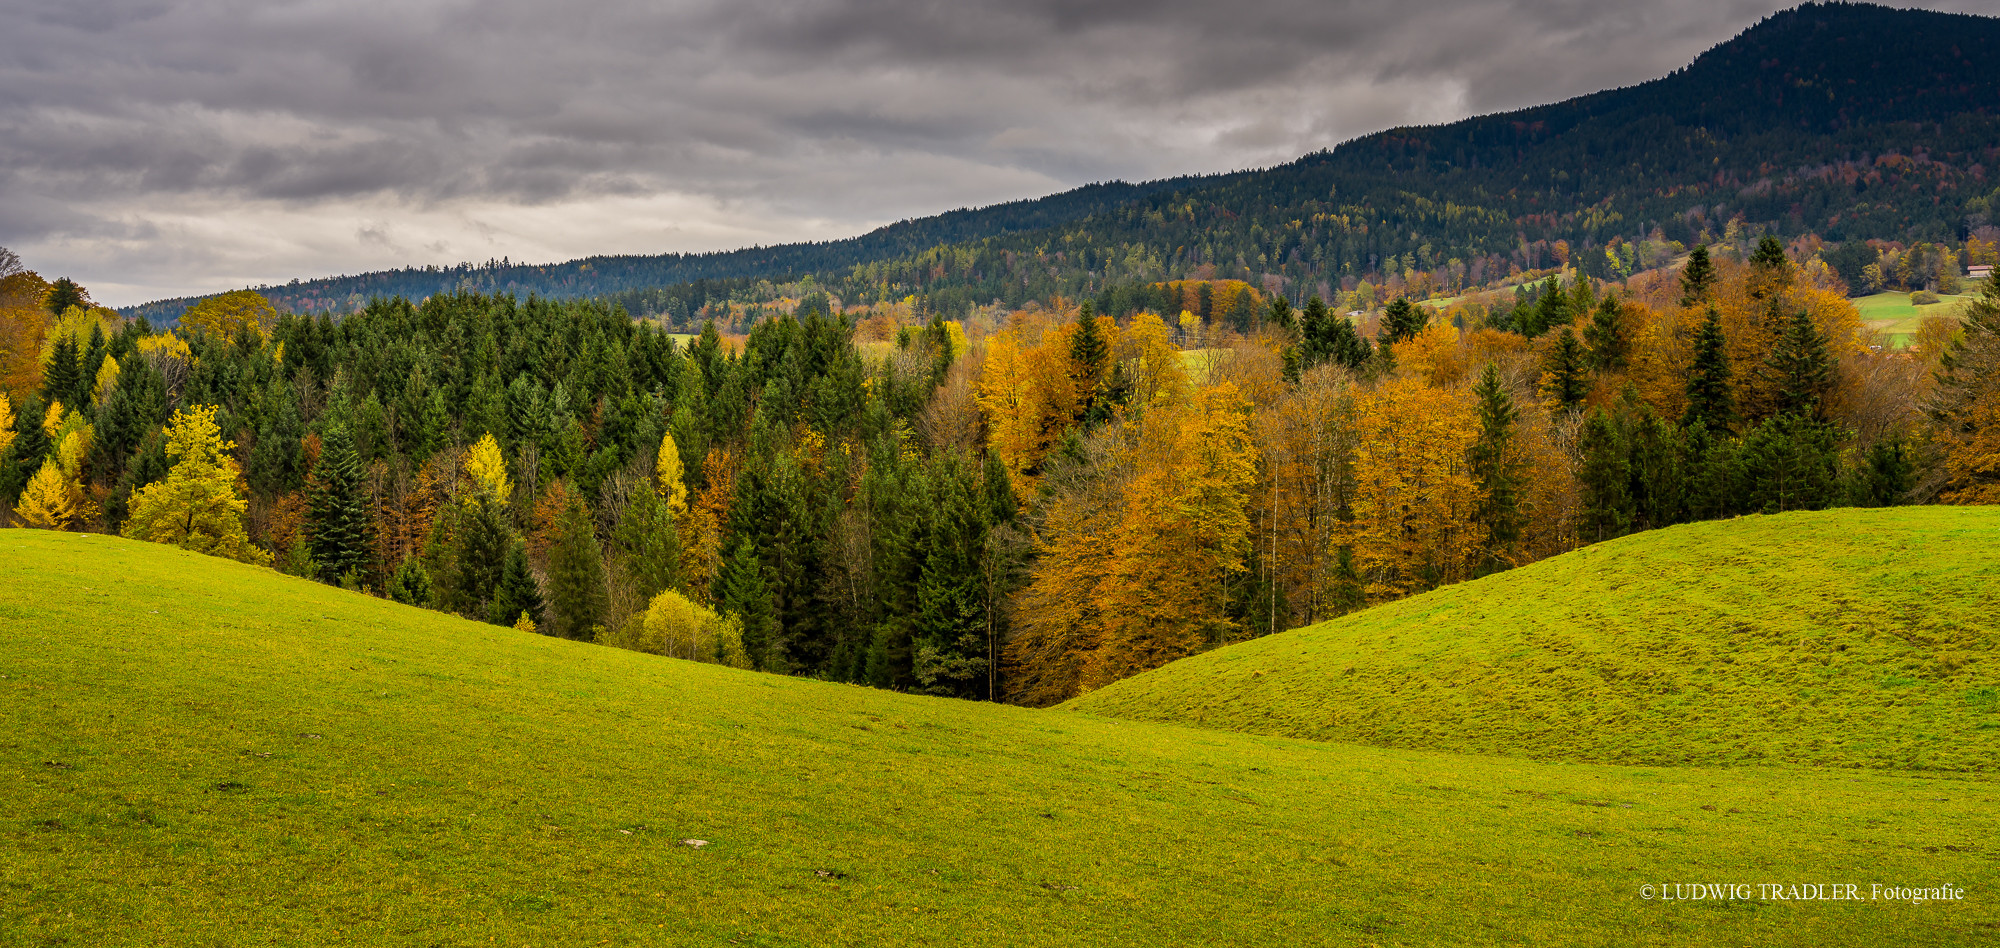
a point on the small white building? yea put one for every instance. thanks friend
(1979, 271)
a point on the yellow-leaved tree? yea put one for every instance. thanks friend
(487, 468)
(6, 424)
(670, 475)
(50, 501)
(225, 314)
(196, 506)
(1415, 498)
(678, 627)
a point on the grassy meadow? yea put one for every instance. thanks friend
(198, 752)
(1843, 638)
(1897, 319)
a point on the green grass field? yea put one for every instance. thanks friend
(198, 752)
(1848, 638)
(1893, 315)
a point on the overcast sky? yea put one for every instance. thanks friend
(154, 148)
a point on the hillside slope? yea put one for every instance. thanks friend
(197, 752)
(1847, 638)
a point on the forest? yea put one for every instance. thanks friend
(1019, 503)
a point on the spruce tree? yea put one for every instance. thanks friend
(1564, 377)
(1088, 356)
(63, 295)
(1402, 320)
(481, 551)
(1280, 315)
(1658, 488)
(63, 376)
(515, 594)
(1314, 339)
(1799, 367)
(1697, 278)
(1710, 402)
(577, 593)
(338, 509)
(1498, 468)
(1885, 478)
(745, 595)
(89, 363)
(1606, 336)
(649, 548)
(411, 585)
(1790, 462)
(1605, 477)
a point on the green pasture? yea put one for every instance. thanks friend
(197, 752)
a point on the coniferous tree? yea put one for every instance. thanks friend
(1280, 315)
(411, 584)
(1402, 320)
(516, 594)
(1887, 475)
(1605, 476)
(1799, 368)
(648, 543)
(1697, 278)
(1564, 376)
(1314, 339)
(1709, 398)
(89, 363)
(1607, 337)
(469, 577)
(747, 596)
(63, 376)
(1790, 462)
(577, 596)
(1656, 455)
(338, 519)
(1089, 354)
(65, 294)
(1498, 468)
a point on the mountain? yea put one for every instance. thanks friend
(1849, 121)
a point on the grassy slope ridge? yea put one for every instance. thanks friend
(196, 752)
(1850, 638)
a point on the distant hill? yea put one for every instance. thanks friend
(1851, 121)
(1845, 638)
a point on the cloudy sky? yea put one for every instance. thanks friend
(153, 148)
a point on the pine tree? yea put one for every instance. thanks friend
(1709, 397)
(1499, 469)
(1563, 374)
(1606, 336)
(515, 594)
(1605, 477)
(1697, 278)
(1799, 368)
(577, 596)
(337, 520)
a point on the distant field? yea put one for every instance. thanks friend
(1892, 314)
(1848, 638)
(198, 752)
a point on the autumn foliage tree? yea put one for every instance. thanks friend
(197, 506)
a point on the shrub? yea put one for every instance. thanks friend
(678, 627)
(1923, 298)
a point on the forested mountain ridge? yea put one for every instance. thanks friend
(1847, 121)
(612, 274)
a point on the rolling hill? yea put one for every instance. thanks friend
(1852, 121)
(198, 752)
(1851, 638)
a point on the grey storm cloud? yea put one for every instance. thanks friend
(177, 146)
